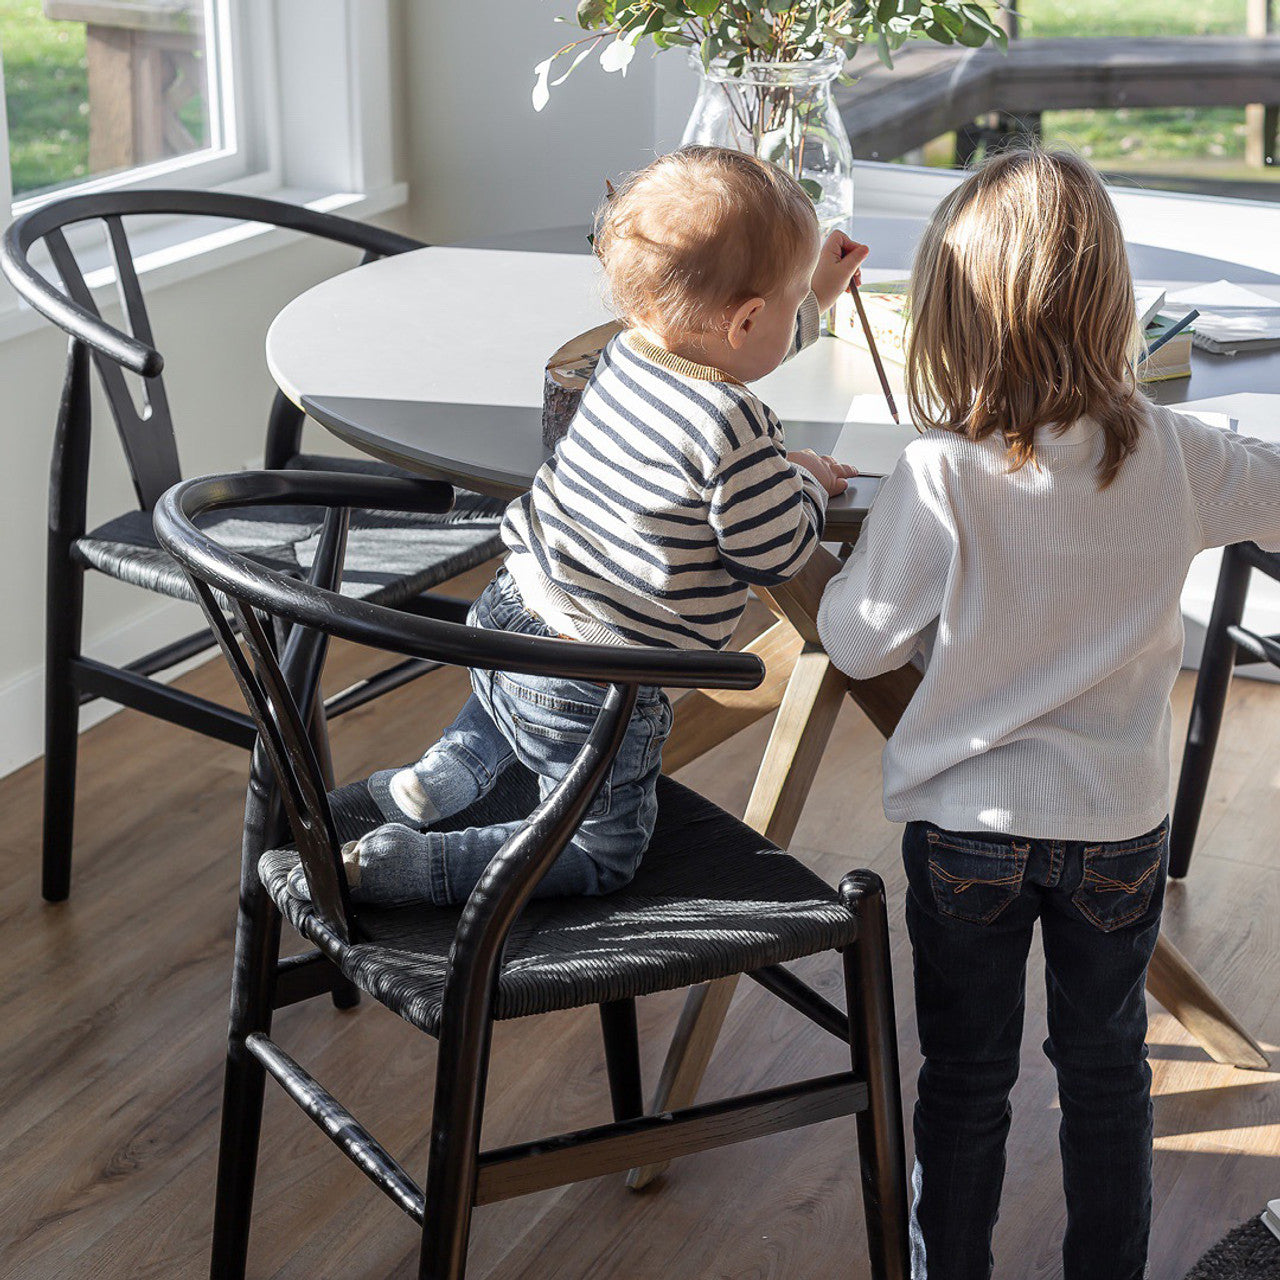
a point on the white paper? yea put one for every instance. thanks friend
(1253, 413)
(1230, 312)
(870, 439)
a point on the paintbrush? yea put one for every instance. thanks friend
(875, 355)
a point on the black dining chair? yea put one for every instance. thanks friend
(712, 898)
(395, 559)
(1228, 643)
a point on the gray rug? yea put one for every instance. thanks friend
(1250, 1252)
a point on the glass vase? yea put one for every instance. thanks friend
(783, 112)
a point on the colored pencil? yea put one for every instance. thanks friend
(1172, 332)
(875, 355)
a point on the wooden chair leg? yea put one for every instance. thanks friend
(874, 1035)
(1217, 663)
(64, 616)
(813, 698)
(257, 952)
(622, 1058)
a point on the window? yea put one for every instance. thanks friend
(284, 98)
(113, 92)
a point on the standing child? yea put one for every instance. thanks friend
(671, 494)
(1030, 550)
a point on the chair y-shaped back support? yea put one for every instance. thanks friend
(146, 430)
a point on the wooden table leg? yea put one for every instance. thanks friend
(1186, 995)
(806, 717)
(706, 718)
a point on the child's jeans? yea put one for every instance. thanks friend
(541, 722)
(972, 903)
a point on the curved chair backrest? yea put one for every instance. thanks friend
(146, 430)
(280, 688)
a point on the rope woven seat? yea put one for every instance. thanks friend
(711, 898)
(391, 556)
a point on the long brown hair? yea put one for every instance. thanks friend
(1022, 309)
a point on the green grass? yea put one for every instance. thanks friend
(46, 86)
(1132, 17)
(46, 89)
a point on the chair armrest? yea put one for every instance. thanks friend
(77, 321)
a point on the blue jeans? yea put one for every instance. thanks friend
(972, 903)
(541, 722)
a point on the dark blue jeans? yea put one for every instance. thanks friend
(972, 903)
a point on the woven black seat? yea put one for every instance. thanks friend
(712, 898)
(393, 558)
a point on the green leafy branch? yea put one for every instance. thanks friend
(734, 33)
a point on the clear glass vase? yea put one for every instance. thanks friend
(783, 112)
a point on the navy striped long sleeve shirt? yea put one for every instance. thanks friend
(667, 499)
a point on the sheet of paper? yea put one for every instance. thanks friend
(1254, 413)
(870, 439)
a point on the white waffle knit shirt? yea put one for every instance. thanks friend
(1046, 613)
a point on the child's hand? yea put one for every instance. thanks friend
(838, 264)
(833, 476)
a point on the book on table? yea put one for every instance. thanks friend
(1233, 320)
(1173, 359)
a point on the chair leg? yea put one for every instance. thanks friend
(257, 952)
(622, 1058)
(462, 1071)
(64, 616)
(1216, 666)
(881, 1148)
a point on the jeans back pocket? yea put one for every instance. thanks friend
(1118, 880)
(974, 880)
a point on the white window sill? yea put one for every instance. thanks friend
(183, 248)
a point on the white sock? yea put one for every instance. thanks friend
(410, 798)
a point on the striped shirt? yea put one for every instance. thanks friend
(668, 497)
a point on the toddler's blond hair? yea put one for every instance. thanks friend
(699, 231)
(1022, 309)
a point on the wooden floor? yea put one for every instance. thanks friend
(115, 1014)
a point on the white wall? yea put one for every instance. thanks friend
(481, 161)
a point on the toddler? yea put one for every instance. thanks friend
(670, 495)
(1029, 552)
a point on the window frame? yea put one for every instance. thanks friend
(237, 27)
(316, 129)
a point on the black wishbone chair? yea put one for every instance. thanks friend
(396, 560)
(712, 898)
